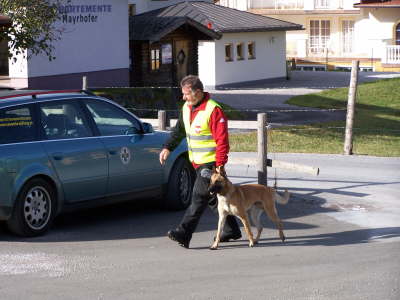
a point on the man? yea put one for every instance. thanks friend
(204, 124)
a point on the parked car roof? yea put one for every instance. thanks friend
(28, 97)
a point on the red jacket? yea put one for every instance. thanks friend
(219, 130)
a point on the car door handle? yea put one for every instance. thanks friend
(58, 156)
(112, 152)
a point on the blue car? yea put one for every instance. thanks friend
(65, 150)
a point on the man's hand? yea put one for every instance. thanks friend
(164, 155)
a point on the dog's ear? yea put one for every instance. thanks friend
(206, 173)
(221, 171)
(214, 170)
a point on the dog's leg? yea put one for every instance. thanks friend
(246, 224)
(272, 214)
(221, 222)
(255, 216)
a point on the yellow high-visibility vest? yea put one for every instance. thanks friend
(201, 144)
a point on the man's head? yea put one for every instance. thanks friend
(192, 89)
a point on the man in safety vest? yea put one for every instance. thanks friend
(205, 127)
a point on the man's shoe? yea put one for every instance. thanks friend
(180, 237)
(229, 236)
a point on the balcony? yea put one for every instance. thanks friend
(277, 4)
(391, 55)
(301, 4)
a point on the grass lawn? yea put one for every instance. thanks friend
(376, 125)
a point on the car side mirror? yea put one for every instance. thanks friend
(147, 128)
(132, 130)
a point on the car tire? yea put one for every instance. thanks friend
(180, 185)
(34, 209)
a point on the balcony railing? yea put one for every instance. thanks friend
(391, 55)
(301, 4)
(277, 4)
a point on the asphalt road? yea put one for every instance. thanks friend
(343, 242)
(270, 97)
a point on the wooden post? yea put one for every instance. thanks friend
(162, 120)
(262, 148)
(348, 141)
(84, 83)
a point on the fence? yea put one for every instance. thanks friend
(265, 128)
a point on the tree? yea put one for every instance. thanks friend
(33, 26)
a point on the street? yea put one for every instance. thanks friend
(343, 242)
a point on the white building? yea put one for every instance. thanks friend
(336, 31)
(223, 46)
(249, 47)
(95, 43)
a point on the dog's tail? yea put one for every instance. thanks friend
(280, 199)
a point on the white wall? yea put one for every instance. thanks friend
(206, 50)
(375, 30)
(91, 41)
(270, 59)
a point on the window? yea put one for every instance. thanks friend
(155, 59)
(321, 4)
(16, 125)
(397, 42)
(251, 50)
(132, 9)
(239, 51)
(111, 120)
(319, 35)
(61, 120)
(347, 36)
(228, 52)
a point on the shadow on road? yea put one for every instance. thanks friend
(358, 236)
(143, 220)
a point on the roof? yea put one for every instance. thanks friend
(378, 4)
(212, 19)
(29, 97)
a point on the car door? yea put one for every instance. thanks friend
(133, 156)
(78, 156)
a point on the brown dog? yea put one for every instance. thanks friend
(238, 199)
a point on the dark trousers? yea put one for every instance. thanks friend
(201, 198)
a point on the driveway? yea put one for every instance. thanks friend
(270, 97)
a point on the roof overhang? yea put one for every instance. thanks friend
(159, 27)
(239, 30)
(378, 4)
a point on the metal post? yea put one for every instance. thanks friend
(348, 142)
(84, 83)
(162, 120)
(262, 148)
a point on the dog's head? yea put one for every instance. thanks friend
(218, 181)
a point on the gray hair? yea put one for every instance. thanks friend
(193, 81)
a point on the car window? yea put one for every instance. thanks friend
(62, 120)
(16, 125)
(111, 120)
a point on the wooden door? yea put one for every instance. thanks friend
(181, 59)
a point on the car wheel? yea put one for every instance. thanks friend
(34, 209)
(180, 185)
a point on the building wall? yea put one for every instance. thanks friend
(207, 72)
(270, 61)
(93, 41)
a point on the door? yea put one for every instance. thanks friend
(133, 156)
(181, 61)
(79, 158)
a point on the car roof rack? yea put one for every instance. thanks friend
(34, 94)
